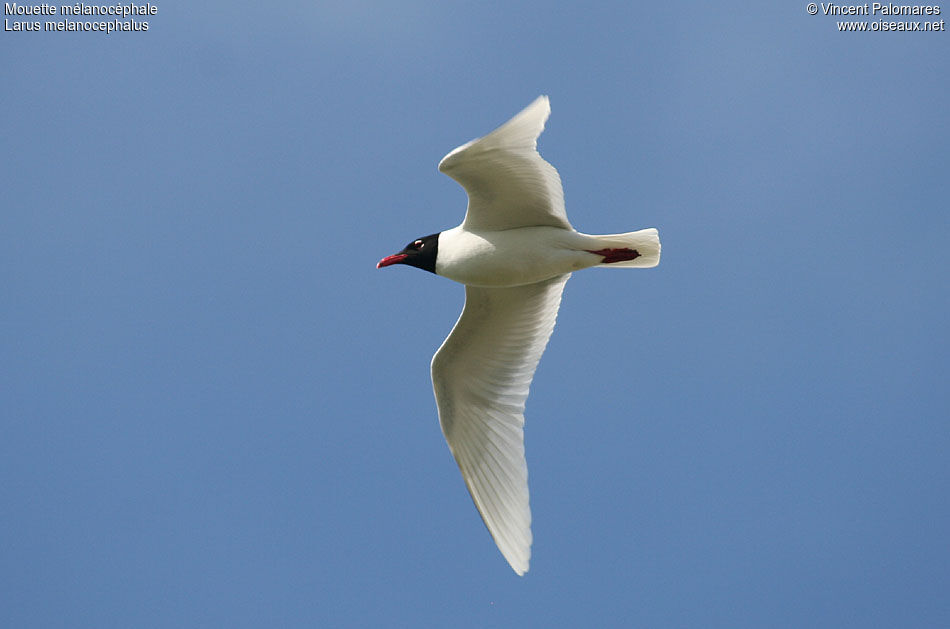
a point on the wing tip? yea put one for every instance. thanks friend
(543, 98)
(539, 108)
(520, 566)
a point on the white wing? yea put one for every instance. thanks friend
(508, 183)
(481, 376)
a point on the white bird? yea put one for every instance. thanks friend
(514, 252)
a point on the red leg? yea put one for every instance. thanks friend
(616, 255)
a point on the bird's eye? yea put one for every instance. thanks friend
(417, 244)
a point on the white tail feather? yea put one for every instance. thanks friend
(646, 242)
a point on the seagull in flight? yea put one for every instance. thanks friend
(514, 251)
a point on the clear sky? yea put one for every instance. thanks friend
(215, 411)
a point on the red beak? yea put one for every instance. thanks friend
(393, 259)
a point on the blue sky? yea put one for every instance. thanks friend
(215, 411)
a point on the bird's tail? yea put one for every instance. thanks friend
(640, 249)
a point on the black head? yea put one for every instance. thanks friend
(420, 253)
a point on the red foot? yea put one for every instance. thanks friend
(616, 255)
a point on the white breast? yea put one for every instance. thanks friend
(511, 257)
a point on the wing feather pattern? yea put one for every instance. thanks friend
(508, 182)
(481, 376)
